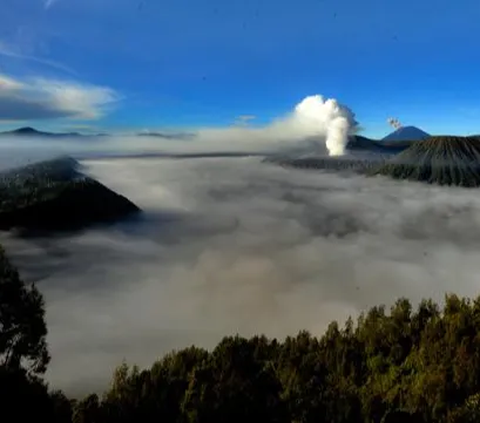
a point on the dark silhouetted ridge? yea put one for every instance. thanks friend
(26, 130)
(444, 160)
(55, 195)
(178, 135)
(30, 132)
(362, 155)
(359, 142)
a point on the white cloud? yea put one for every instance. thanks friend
(86, 101)
(7, 83)
(42, 98)
(244, 120)
(314, 117)
(322, 124)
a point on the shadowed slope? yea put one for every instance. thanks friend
(359, 142)
(444, 160)
(54, 195)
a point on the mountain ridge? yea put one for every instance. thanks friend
(54, 195)
(442, 160)
(32, 132)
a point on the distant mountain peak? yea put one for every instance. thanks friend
(176, 135)
(407, 133)
(28, 131)
(25, 130)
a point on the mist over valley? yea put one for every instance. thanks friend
(266, 230)
(237, 245)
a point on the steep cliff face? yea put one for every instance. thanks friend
(54, 195)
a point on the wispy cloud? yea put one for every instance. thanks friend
(244, 120)
(7, 83)
(9, 51)
(49, 3)
(42, 98)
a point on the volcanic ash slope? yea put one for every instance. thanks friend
(443, 160)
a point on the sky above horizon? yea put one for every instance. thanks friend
(95, 65)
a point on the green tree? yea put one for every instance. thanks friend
(235, 385)
(420, 366)
(88, 410)
(148, 395)
(22, 325)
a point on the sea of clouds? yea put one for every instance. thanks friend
(234, 245)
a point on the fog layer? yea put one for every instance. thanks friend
(235, 245)
(325, 121)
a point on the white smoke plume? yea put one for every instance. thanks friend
(315, 116)
(394, 122)
(325, 121)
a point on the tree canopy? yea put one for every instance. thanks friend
(22, 325)
(396, 365)
(406, 364)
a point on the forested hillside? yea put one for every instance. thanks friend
(406, 364)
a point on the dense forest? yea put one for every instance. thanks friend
(403, 365)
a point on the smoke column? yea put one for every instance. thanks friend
(394, 122)
(316, 116)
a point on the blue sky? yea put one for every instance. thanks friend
(127, 64)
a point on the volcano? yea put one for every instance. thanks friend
(407, 133)
(443, 160)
